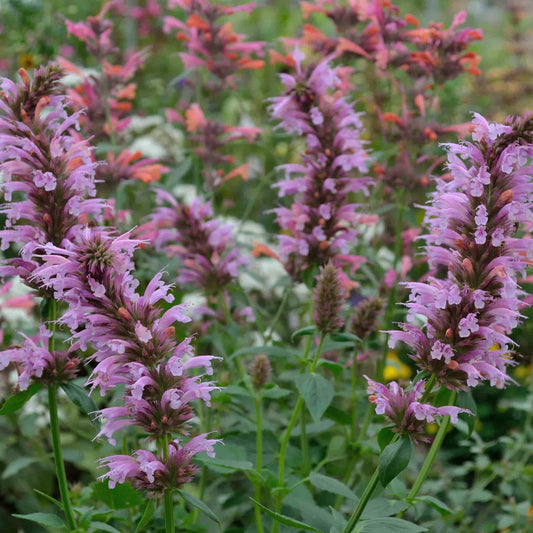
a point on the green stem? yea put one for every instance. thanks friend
(306, 462)
(168, 504)
(430, 457)
(259, 459)
(58, 458)
(284, 300)
(372, 484)
(288, 431)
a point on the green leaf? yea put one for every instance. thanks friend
(338, 523)
(102, 526)
(274, 351)
(308, 330)
(385, 436)
(390, 525)
(199, 504)
(345, 337)
(335, 368)
(437, 504)
(225, 466)
(79, 396)
(317, 393)
(49, 498)
(285, 520)
(18, 464)
(338, 415)
(121, 497)
(394, 459)
(274, 392)
(17, 401)
(148, 512)
(330, 484)
(45, 519)
(381, 507)
(465, 400)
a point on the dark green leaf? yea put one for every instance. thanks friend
(308, 330)
(330, 484)
(17, 401)
(45, 519)
(390, 525)
(224, 465)
(199, 504)
(121, 497)
(385, 436)
(285, 520)
(317, 393)
(338, 415)
(437, 504)
(79, 397)
(148, 512)
(335, 368)
(394, 459)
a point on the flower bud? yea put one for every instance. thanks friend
(366, 316)
(328, 299)
(260, 371)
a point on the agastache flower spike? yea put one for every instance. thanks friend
(405, 411)
(472, 303)
(212, 44)
(321, 222)
(132, 337)
(200, 241)
(50, 174)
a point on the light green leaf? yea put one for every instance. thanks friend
(330, 484)
(308, 330)
(394, 459)
(45, 519)
(390, 525)
(437, 504)
(102, 526)
(317, 393)
(285, 520)
(380, 508)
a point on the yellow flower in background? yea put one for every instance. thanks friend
(523, 371)
(395, 369)
(27, 61)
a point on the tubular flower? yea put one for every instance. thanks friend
(199, 241)
(211, 43)
(404, 410)
(33, 362)
(471, 303)
(378, 32)
(320, 224)
(153, 473)
(209, 139)
(50, 174)
(107, 97)
(132, 336)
